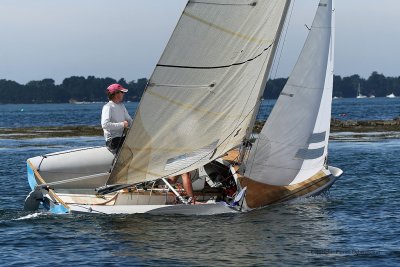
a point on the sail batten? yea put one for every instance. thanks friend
(226, 30)
(216, 67)
(203, 90)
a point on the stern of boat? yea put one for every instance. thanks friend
(51, 176)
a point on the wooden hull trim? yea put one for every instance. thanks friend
(259, 195)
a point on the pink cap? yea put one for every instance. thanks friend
(113, 88)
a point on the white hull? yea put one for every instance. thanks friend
(74, 176)
(79, 195)
(391, 96)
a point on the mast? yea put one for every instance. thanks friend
(246, 145)
(267, 73)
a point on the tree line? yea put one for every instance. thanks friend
(92, 89)
(72, 89)
(347, 87)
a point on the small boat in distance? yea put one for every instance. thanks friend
(76, 102)
(359, 95)
(392, 95)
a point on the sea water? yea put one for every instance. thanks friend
(28, 115)
(356, 224)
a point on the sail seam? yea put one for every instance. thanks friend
(249, 3)
(182, 85)
(215, 26)
(216, 67)
(193, 108)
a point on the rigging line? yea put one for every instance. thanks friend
(69, 151)
(77, 179)
(283, 44)
(40, 163)
(107, 201)
(258, 103)
(249, 3)
(284, 39)
(152, 84)
(216, 67)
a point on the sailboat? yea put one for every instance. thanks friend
(392, 95)
(359, 95)
(197, 115)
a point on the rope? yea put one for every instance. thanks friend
(249, 3)
(151, 192)
(284, 39)
(76, 179)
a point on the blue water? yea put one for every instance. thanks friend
(380, 108)
(356, 224)
(26, 115)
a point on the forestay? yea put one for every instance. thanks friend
(202, 94)
(293, 143)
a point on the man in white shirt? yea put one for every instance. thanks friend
(115, 118)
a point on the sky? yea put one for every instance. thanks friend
(58, 39)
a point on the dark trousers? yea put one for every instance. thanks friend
(115, 144)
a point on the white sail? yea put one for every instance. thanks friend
(202, 95)
(293, 143)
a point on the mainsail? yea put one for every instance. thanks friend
(293, 143)
(203, 92)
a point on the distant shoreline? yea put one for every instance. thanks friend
(80, 89)
(50, 132)
(381, 127)
(360, 126)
